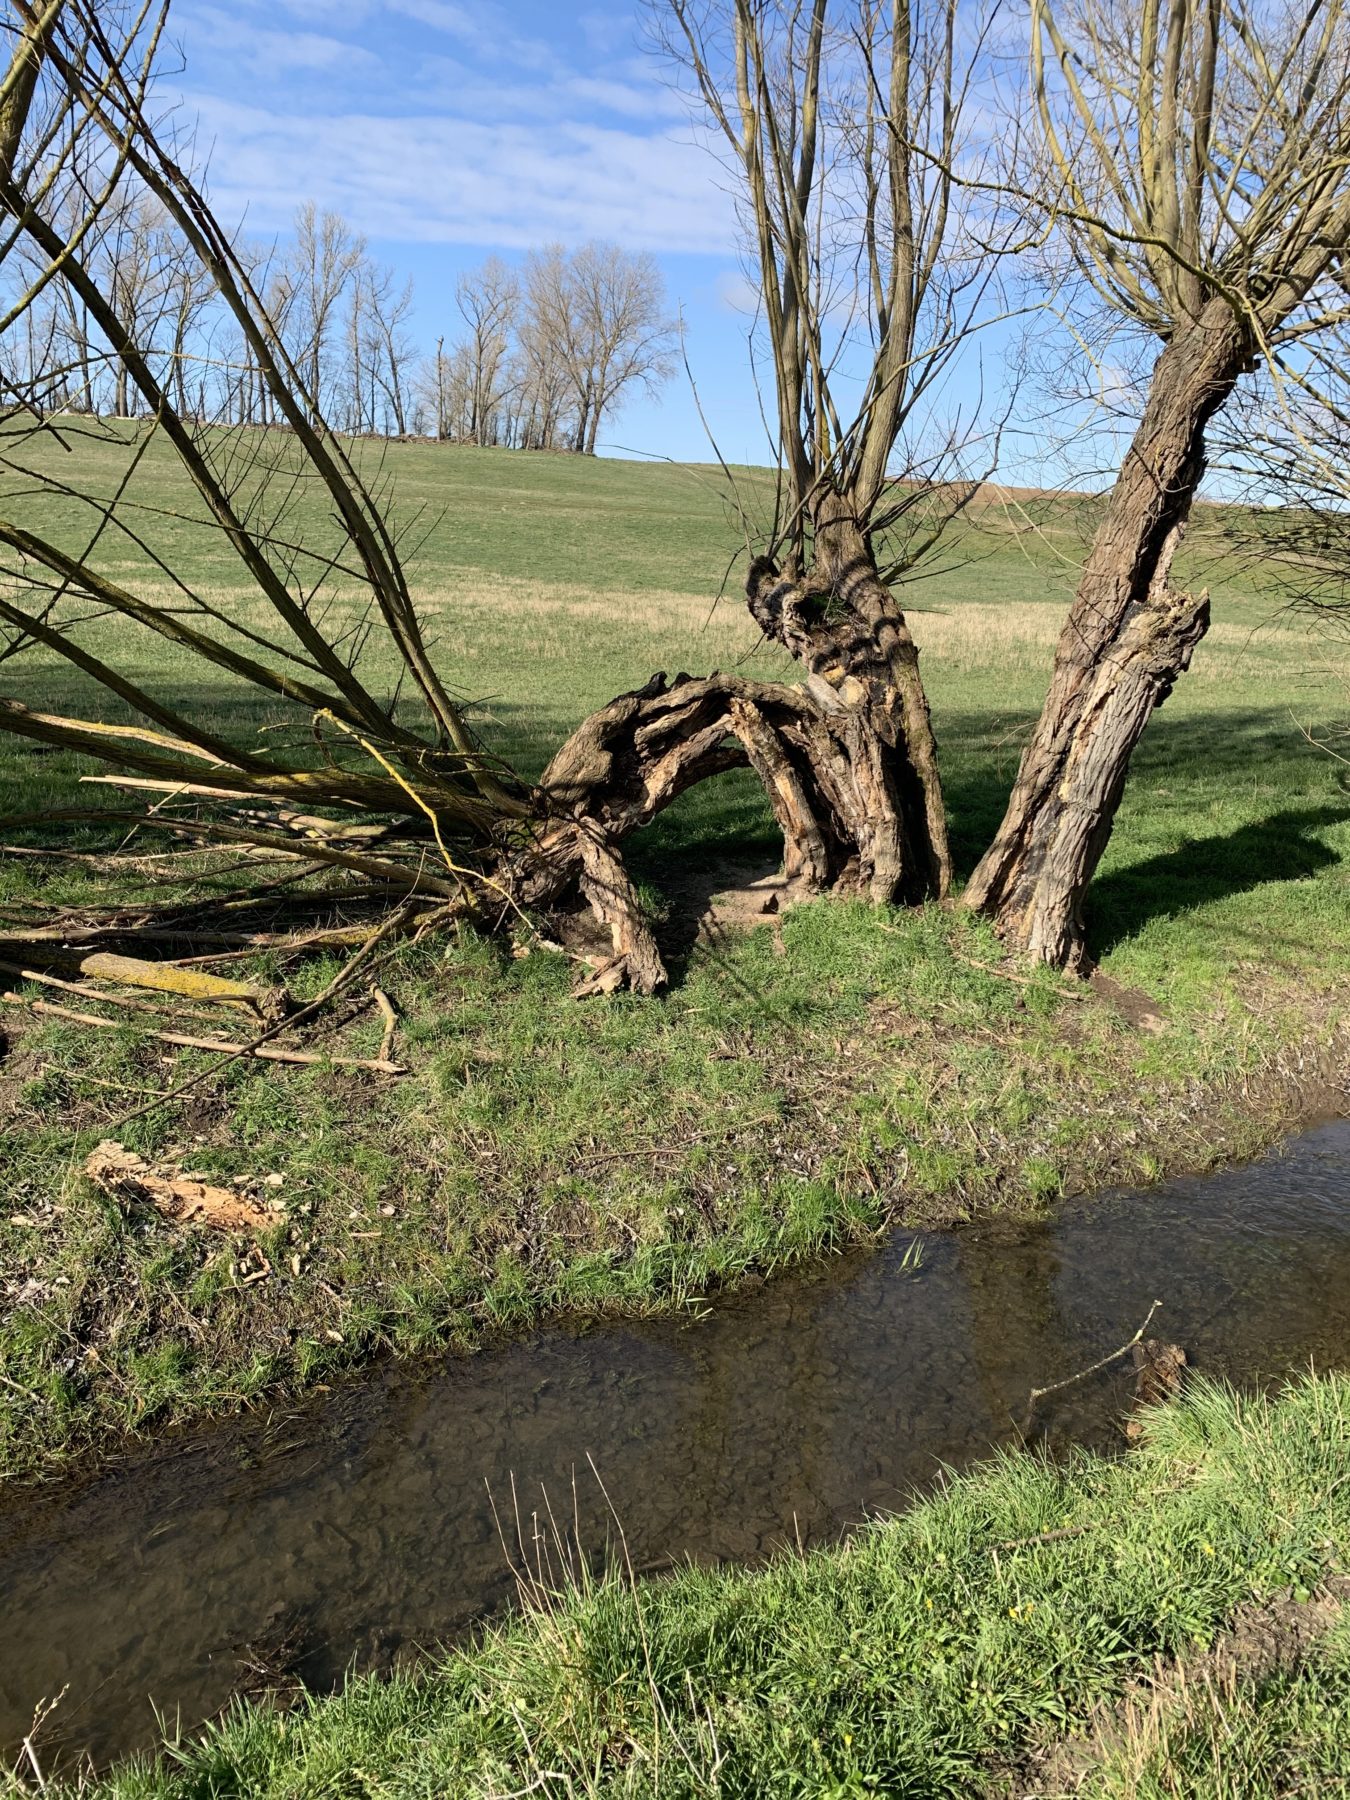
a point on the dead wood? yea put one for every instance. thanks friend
(183, 1198)
(1103, 1362)
(1159, 1369)
(833, 782)
(267, 1052)
(190, 984)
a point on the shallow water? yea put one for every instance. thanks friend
(363, 1522)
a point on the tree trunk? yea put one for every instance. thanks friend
(841, 621)
(847, 758)
(627, 762)
(1129, 635)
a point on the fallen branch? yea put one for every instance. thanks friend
(1104, 1362)
(1047, 1537)
(266, 1051)
(84, 989)
(390, 1018)
(189, 984)
(391, 927)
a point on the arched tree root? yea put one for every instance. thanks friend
(823, 767)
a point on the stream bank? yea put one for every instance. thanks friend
(367, 1525)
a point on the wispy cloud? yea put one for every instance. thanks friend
(260, 49)
(448, 180)
(446, 121)
(484, 28)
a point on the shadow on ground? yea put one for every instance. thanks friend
(722, 834)
(1282, 847)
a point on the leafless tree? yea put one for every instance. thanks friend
(392, 351)
(602, 310)
(841, 128)
(488, 299)
(1195, 164)
(543, 385)
(324, 259)
(846, 757)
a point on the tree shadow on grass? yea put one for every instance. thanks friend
(1182, 766)
(1284, 846)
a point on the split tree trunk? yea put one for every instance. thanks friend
(847, 758)
(1128, 637)
(842, 622)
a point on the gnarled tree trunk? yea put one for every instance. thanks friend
(847, 758)
(1128, 637)
(842, 622)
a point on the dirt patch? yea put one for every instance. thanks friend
(730, 894)
(1139, 1010)
(1265, 1639)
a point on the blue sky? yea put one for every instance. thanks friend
(447, 130)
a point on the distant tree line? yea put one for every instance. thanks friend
(540, 356)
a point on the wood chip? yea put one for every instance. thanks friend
(126, 1176)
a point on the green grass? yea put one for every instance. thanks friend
(1029, 1617)
(803, 1085)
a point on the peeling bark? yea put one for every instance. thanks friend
(1128, 637)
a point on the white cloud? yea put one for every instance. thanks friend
(331, 12)
(486, 29)
(624, 97)
(259, 49)
(455, 180)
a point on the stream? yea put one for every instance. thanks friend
(360, 1524)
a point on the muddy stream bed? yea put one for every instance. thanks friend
(358, 1527)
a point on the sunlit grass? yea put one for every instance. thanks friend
(802, 1085)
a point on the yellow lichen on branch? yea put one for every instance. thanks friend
(191, 984)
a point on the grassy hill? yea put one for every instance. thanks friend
(804, 1082)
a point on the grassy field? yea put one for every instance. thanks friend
(1168, 1626)
(803, 1084)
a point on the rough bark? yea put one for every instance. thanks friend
(847, 757)
(842, 623)
(826, 773)
(1128, 637)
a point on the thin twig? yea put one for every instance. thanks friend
(1092, 1369)
(266, 1051)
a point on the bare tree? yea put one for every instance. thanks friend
(324, 260)
(846, 757)
(392, 353)
(841, 139)
(433, 386)
(602, 310)
(544, 383)
(1196, 166)
(488, 299)
(188, 292)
